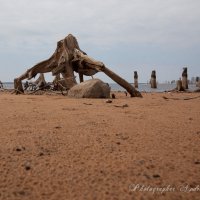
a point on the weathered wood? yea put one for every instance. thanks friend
(183, 98)
(67, 58)
(81, 77)
(153, 79)
(18, 86)
(185, 78)
(135, 79)
(59, 62)
(91, 64)
(122, 82)
(197, 82)
(40, 82)
(1, 84)
(179, 86)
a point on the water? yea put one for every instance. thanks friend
(143, 87)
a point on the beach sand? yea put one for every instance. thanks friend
(54, 147)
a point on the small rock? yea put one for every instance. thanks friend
(108, 101)
(118, 143)
(41, 154)
(156, 176)
(197, 162)
(125, 105)
(58, 127)
(27, 166)
(20, 148)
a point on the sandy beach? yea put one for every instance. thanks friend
(55, 147)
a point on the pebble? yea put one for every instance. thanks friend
(108, 101)
(197, 162)
(58, 127)
(118, 143)
(41, 154)
(156, 176)
(27, 166)
(20, 148)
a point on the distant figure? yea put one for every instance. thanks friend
(1, 84)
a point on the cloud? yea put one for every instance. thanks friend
(106, 22)
(37, 25)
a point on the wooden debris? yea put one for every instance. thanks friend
(183, 98)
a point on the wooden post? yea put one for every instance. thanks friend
(153, 79)
(179, 85)
(184, 78)
(197, 82)
(1, 84)
(135, 79)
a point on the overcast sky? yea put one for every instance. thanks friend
(128, 35)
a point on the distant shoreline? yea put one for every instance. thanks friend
(143, 87)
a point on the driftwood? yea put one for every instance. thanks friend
(59, 83)
(66, 59)
(184, 98)
(40, 82)
(123, 106)
(16, 91)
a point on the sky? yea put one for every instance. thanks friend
(127, 36)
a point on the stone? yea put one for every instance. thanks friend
(94, 88)
(108, 101)
(156, 176)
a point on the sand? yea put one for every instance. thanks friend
(54, 147)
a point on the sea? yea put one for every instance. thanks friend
(142, 87)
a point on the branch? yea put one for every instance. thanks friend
(184, 98)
